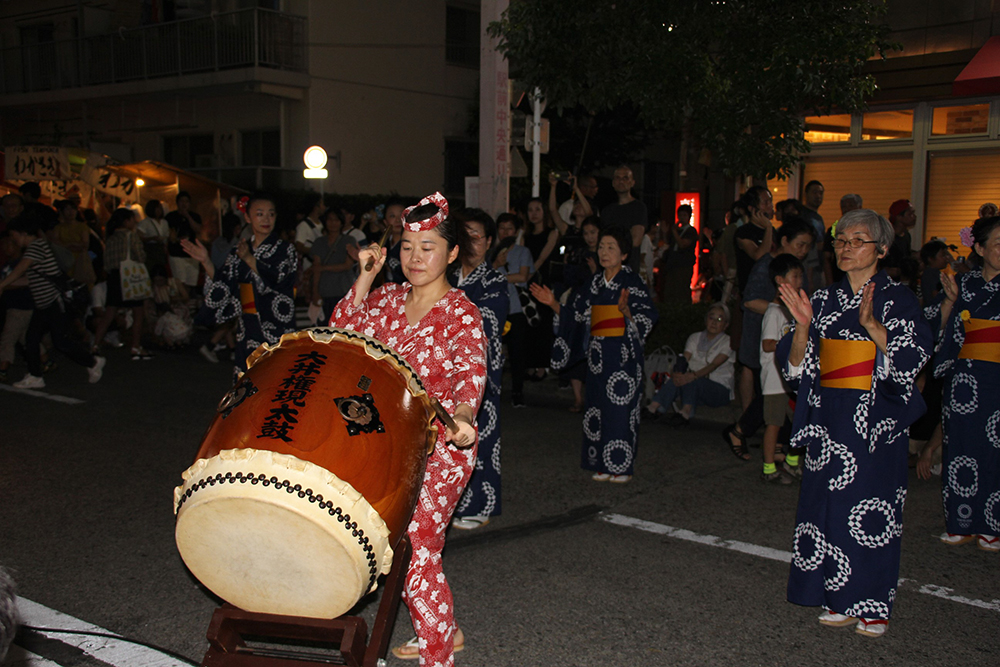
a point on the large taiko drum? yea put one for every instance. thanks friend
(308, 475)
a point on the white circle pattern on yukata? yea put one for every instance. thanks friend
(993, 429)
(969, 407)
(617, 378)
(615, 445)
(957, 464)
(857, 515)
(592, 424)
(992, 511)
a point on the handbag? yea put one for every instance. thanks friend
(73, 294)
(136, 285)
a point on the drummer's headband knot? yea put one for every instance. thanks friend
(430, 223)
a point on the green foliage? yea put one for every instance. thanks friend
(733, 75)
(677, 322)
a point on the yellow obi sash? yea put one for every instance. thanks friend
(247, 299)
(982, 340)
(606, 321)
(846, 364)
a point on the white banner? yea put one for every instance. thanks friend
(37, 163)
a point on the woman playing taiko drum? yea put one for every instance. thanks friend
(440, 333)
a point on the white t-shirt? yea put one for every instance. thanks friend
(777, 322)
(701, 352)
(306, 232)
(153, 227)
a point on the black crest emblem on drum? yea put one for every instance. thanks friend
(243, 390)
(360, 414)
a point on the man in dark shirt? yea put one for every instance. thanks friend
(813, 263)
(628, 213)
(903, 217)
(754, 239)
(33, 209)
(184, 224)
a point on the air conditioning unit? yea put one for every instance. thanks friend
(206, 161)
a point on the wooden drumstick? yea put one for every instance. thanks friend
(443, 415)
(381, 244)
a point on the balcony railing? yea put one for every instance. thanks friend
(230, 40)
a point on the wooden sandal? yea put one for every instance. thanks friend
(740, 451)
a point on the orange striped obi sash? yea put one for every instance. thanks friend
(982, 339)
(846, 364)
(606, 321)
(247, 299)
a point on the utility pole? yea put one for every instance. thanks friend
(537, 106)
(494, 116)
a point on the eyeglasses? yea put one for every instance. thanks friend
(718, 318)
(854, 243)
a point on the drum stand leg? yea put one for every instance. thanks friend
(347, 636)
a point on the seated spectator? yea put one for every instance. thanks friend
(706, 377)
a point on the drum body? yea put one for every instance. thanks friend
(308, 475)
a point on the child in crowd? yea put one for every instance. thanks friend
(784, 270)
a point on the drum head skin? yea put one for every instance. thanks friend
(270, 533)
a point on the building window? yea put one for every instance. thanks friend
(967, 119)
(828, 129)
(261, 148)
(461, 159)
(883, 125)
(461, 36)
(197, 150)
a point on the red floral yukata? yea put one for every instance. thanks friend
(447, 348)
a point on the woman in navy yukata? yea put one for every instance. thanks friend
(256, 283)
(968, 359)
(619, 315)
(487, 288)
(854, 353)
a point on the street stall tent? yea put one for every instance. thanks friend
(104, 184)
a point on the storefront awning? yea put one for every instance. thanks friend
(982, 75)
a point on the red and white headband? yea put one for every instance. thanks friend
(430, 223)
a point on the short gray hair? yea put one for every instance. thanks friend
(721, 307)
(853, 201)
(878, 228)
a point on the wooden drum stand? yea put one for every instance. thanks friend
(307, 642)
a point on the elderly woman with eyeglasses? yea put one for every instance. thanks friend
(708, 377)
(854, 353)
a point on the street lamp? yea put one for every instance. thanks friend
(315, 161)
(139, 183)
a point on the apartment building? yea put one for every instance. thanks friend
(236, 90)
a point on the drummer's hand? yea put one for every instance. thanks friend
(465, 437)
(372, 252)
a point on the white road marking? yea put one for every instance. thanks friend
(781, 556)
(41, 394)
(105, 649)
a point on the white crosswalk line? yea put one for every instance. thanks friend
(781, 556)
(112, 651)
(41, 394)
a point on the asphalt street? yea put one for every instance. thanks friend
(685, 565)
